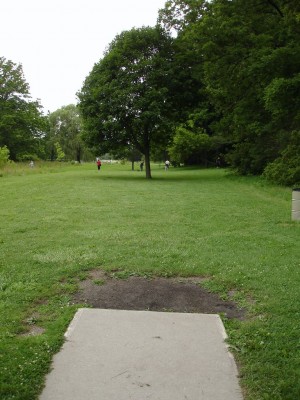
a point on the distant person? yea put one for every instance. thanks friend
(31, 164)
(142, 165)
(218, 162)
(167, 165)
(98, 164)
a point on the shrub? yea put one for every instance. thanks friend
(4, 156)
(28, 157)
(59, 152)
(285, 170)
(189, 146)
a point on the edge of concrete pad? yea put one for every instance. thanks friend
(74, 322)
(192, 361)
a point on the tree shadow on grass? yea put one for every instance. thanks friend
(164, 176)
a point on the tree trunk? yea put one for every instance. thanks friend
(132, 165)
(52, 154)
(78, 154)
(147, 162)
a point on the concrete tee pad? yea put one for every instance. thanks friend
(139, 355)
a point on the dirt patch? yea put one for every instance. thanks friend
(100, 290)
(30, 325)
(33, 331)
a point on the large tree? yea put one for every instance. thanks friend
(184, 19)
(245, 57)
(126, 99)
(246, 48)
(21, 121)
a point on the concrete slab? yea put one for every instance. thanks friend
(139, 355)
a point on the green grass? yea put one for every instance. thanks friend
(58, 222)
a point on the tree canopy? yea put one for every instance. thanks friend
(230, 66)
(125, 101)
(65, 130)
(21, 120)
(245, 58)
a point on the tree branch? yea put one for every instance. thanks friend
(274, 5)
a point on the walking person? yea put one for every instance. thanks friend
(98, 162)
(167, 165)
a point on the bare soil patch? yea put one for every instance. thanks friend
(33, 331)
(101, 290)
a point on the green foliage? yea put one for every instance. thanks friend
(65, 128)
(125, 99)
(4, 156)
(282, 99)
(234, 64)
(192, 144)
(244, 61)
(21, 122)
(178, 15)
(60, 154)
(99, 282)
(285, 170)
(189, 146)
(28, 157)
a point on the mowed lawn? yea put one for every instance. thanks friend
(57, 223)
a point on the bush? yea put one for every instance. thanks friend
(59, 152)
(285, 170)
(189, 146)
(4, 156)
(28, 157)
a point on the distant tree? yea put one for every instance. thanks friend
(22, 124)
(65, 128)
(130, 153)
(125, 101)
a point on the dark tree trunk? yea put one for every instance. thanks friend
(147, 162)
(78, 154)
(144, 148)
(52, 154)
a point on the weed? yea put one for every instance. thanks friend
(99, 282)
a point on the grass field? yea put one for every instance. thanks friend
(59, 222)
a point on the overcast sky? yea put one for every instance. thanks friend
(58, 41)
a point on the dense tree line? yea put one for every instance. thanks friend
(245, 60)
(25, 132)
(213, 78)
(227, 83)
(21, 121)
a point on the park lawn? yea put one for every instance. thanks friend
(57, 223)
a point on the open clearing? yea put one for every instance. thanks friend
(61, 223)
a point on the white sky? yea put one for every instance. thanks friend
(58, 41)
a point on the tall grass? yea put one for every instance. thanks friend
(237, 231)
